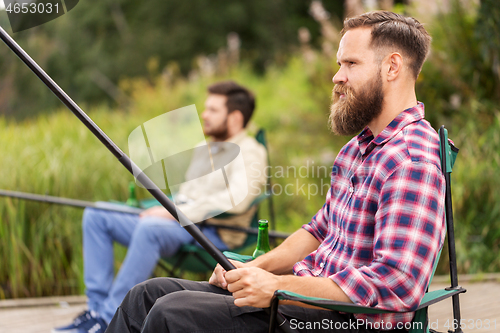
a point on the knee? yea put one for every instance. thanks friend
(92, 218)
(169, 308)
(145, 231)
(149, 229)
(187, 310)
(150, 292)
(175, 299)
(146, 293)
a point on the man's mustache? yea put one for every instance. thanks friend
(340, 89)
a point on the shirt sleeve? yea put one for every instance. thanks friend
(318, 227)
(409, 231)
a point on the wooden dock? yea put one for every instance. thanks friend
(480, 310)
(39, 315)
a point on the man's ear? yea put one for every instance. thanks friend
(394, 66)
(235, 120)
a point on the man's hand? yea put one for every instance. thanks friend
(218, 275)
(252, 286)
(158, 211)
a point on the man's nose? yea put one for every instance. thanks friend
(204, 114)
(339, 77)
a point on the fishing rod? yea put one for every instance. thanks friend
(190, 227)
(118, 153)
(119, 208)
(110, 206)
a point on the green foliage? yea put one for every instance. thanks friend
(57, 155)
(487, 32)
(124, 39)
(40, 248)
(455, 75)
(460, 86)
(477, 208)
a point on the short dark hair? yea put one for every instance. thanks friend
(238, 98)
(393, 30)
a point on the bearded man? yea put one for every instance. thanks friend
(155, 233)
(374, 241)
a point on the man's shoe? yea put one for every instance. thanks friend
(97, 325)
(82, 321)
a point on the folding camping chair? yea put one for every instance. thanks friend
(448, 154)
(193, 258)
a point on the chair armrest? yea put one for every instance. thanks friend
(327, 303)
(435, 296)
(237, 256)
(428, 299)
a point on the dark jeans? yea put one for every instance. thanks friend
(164, 305)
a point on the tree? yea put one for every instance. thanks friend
(89, 50)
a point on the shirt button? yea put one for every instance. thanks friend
(322, 265)
(351, 189)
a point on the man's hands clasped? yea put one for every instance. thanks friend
(250, 286)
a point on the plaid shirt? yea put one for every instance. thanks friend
(383, 221)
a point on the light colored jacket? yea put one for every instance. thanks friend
(229, 181)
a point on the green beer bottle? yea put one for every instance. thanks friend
(262, 239)
(132, 198)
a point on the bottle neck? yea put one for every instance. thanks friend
(263, 237)
(131, 191)
(132, 198)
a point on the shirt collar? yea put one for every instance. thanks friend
(234, 139)
(238, 137)
(366, 141)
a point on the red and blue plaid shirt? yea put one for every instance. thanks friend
(382, 225)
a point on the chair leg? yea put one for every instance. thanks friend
(171, 272)
(164, 267)
(456, 312)
(273, 314)
(450, 230)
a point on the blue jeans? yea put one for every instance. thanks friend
(147, 240)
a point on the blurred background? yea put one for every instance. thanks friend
(125, 62)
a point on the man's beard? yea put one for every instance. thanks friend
(219, 133)
(352, 113)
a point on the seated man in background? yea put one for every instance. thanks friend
(155, 233)
(376, 238)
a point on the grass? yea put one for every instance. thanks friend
(40, 252)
